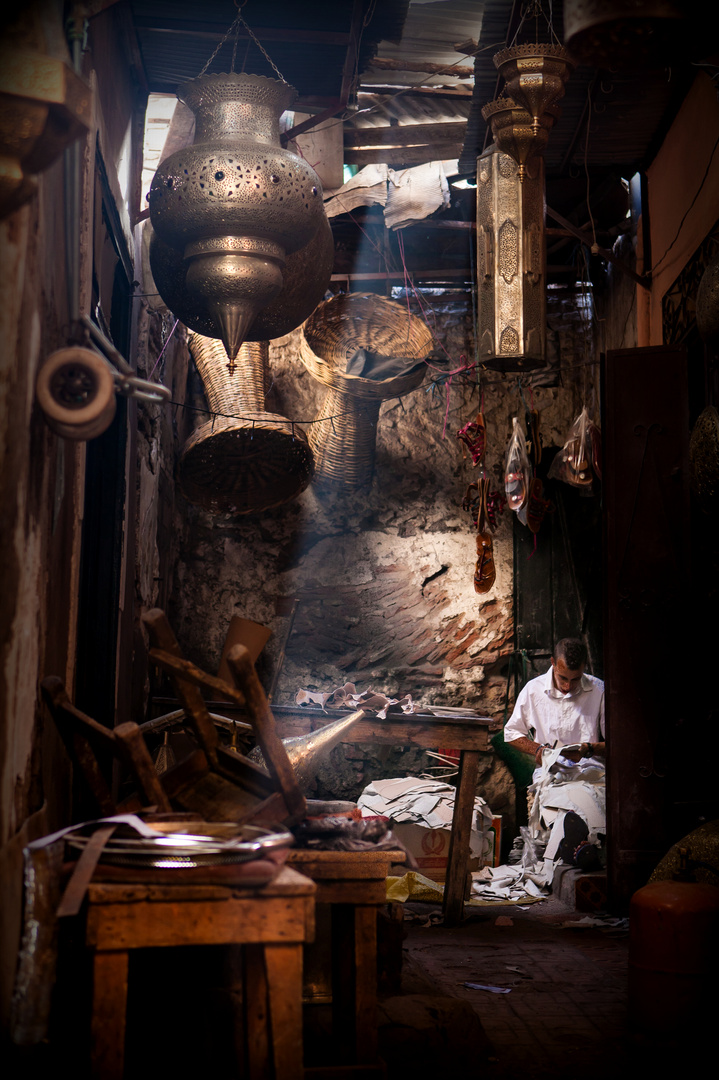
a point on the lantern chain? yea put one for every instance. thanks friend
(238, 21)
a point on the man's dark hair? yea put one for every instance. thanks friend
(572, 651)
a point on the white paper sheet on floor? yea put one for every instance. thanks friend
(560, 787)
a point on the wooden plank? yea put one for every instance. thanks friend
(460, 71)
(278, 764)
(404, 155)
(133, 748)
(458, 855)
(350, 892)
(343, 982)
(283, 964)
(406, 135)
(200, 30)
(162, 637)
(109, 1010)
(365, 949)
(255, 1008)
(159, 924)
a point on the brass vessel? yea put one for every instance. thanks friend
(235, 204)
(513, 128)
(307, 751)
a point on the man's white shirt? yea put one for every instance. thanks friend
(555, 717)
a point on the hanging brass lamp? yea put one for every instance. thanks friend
(244, 459)
(535, 75)
(514, 130)
(235, 204)
(511, 262)
(306, 277)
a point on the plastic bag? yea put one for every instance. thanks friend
(579, 460)
(517, 472)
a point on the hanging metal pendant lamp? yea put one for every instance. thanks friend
(235, 204)
(514, 130)
(244, 459)
(511, 262)
(306, 277)
(535, 75)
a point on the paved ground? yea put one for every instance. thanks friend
(565, 1015)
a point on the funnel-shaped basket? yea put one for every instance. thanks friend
(243, 459)
(344, 434)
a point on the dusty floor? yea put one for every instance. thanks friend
(565, 1014)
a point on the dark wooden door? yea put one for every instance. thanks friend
(647, 605)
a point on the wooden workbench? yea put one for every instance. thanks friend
(467, 733)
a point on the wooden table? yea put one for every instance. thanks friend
(353, 883)
(467, 733)
(272, 922)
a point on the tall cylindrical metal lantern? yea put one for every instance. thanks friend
(235, 204)
(511, 262)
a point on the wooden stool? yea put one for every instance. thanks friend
(272, 923)
(354, 884)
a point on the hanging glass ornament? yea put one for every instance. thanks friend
(235, 204)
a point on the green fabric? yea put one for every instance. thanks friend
(521, 766)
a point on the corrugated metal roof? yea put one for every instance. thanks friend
(306, 41)
(627, 107)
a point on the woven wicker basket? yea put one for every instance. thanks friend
(344, 446)
(237, 466)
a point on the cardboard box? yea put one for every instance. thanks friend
(430, 848)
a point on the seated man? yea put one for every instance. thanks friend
(562, 708)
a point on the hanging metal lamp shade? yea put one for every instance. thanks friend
(235, 204)
(514, 130)
(245, 459)
(511, 258)
(535, 75)
(306, 277)
(631, 34)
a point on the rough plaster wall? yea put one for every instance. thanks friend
(383, 577)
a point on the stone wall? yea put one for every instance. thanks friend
(381, 578)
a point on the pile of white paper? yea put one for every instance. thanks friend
(430, 803)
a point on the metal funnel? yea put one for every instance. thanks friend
(307, 751)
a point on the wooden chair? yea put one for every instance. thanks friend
(85, 739)
(210, 769)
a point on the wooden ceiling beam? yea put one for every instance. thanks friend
(405, 135)
(199, 29)
(437, 92)
(381, 63)
(403, 155)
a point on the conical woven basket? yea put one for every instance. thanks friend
(244, 459)
(344, 446)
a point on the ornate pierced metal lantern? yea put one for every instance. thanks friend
(235, 204)
(239, 464)
(535, 75)
(514, 130)
(511, 258)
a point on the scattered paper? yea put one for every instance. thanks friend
(346, 697)
(491, 989)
